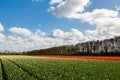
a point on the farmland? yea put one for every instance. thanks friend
(41, 68)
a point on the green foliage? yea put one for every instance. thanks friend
(0, 71)
(59, 69)
(12, 72)
(60, 50)
(68, 50)
(107, 47)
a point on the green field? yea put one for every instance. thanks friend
(32, 68)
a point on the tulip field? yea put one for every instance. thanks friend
(41, 68)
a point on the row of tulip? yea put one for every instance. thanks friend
(67, 69)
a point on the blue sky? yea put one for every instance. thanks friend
(33, 22)
(33, 15)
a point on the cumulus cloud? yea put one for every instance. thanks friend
(92, 17)
(2, 36)
(1, 27)
(23, 39)
(20, 31)
(57, 33)
(55, 1)
(72, 37)
(68, 8)
(107, 24)
(107, 21)
(40, 33)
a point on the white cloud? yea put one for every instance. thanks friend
(20, 31)
(57, 33)
(98, 16)
(40, 33)
(107, 21)
(68, 8)
(54, 1)
(72, 37)
(37, 40)
(107, 24)
(2, 36)
(73, 34)
(117, 7)
(1, 27)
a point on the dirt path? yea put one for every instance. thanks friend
(86, 57)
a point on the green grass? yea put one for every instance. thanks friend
(32, 68)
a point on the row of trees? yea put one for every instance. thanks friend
(104, 47)
(61, 50)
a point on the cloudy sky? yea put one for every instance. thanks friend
(36, 24)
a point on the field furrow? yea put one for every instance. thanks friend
(40, 73)
(24, 69)
(2, 76)
(13, 72)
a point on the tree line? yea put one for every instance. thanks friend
(107, 47)
(60, 50)
(103, 47)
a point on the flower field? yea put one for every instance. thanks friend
(34, 68)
